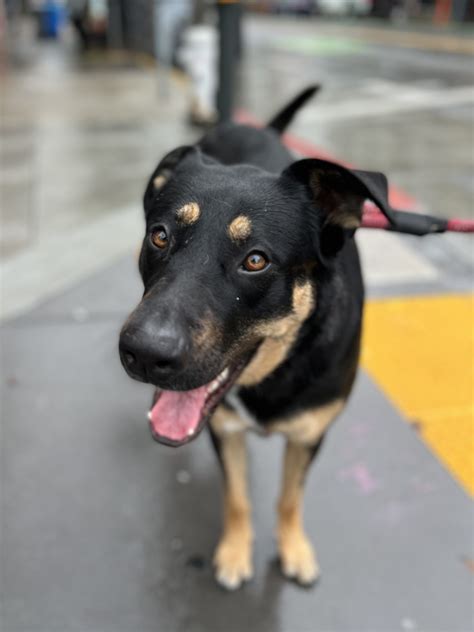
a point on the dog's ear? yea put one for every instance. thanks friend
(338, 193)
(163, 173)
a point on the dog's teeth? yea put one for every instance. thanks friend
(220, 379)
(190, 432)
(149, 415)
(213, 386)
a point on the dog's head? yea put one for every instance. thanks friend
(229, 262)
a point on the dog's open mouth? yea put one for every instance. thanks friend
(177, 417)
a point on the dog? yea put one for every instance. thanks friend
(251, 314)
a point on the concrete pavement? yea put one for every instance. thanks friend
(104, 530)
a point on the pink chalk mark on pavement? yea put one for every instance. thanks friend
(392, 513)
(361, 476)
(359, 430)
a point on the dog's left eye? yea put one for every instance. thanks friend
(159, 238)
(255, 262)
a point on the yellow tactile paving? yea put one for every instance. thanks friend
(421, 353)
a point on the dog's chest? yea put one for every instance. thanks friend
(305, 427)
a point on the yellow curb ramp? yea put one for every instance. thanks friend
(420, 351)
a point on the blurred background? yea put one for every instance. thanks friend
(99, 523)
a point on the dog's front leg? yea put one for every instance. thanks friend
(305, 434)
(297, 557)
(233, 556)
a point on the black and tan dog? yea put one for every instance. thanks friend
(251, 315)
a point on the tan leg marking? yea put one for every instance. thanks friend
(233, 556)
(298, 560)
(297, 557)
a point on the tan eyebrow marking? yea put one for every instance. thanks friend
(189, 213)
(159, 181)
(240, 228)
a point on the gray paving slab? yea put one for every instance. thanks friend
(450, 255)
(104, 530)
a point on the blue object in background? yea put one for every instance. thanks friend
(51, 18)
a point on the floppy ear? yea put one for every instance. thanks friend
(163, 173)
(339, 194)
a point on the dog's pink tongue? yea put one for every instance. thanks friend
(177, 414)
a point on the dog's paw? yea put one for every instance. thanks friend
(298, 560)
(233, 563)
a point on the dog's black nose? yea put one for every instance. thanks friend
(152, 355)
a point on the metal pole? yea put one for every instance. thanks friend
(229, 12)
(115, 25)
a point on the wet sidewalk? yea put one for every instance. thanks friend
(103, 529)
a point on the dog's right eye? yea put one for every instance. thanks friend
(159, 238)
(255, 262)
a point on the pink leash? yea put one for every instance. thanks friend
(373, 218)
